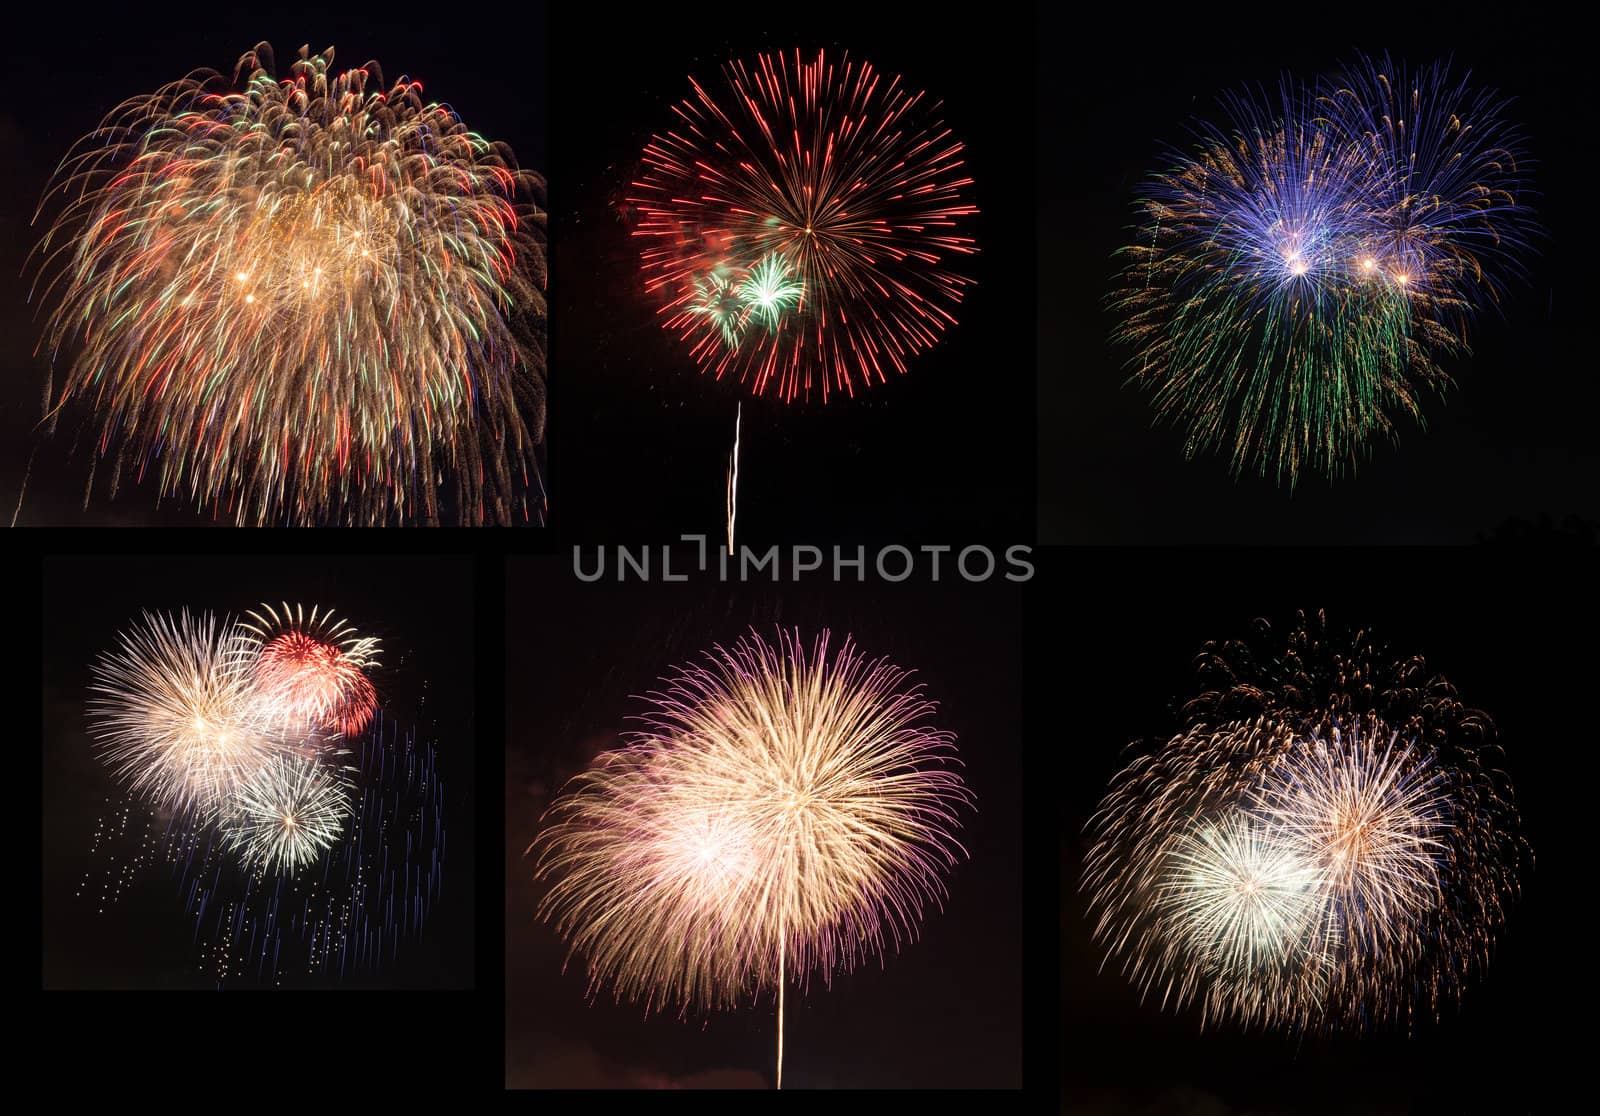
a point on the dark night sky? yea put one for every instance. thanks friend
(1514, 441)
(426, 680)
(66, 77)
(639, 438)
(1512, 635)
(945, 1012)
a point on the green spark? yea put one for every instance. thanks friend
(771, 290)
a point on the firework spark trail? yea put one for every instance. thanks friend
(801, 224)
(1303, 270)
(373, 891)
(1326, 846)
(302, 301)
(780, 811)
(733, 474)
(22, 490)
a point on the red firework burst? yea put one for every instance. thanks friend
(316, 682)
(800, 223)
(313, 670)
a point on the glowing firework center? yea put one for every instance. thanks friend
(309, 246)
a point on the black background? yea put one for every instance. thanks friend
(425, 680)
(640, 439)
(63, 74)
(1511, 452)
(1512, 635)
(944, 1012)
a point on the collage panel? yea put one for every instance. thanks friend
(1318, 285)
(277, 270)
(787, 251)
(763, 835)
(259, 773)
(1313, 834)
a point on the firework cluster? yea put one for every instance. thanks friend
(305, 831)
(315, 300)
(1301, 272)
(1327, 845)
(240, 724)
(802, 224)
(780, 810)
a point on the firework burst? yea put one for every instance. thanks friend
(286, 814)
(1372, 815)
(1240, 903)
(302, 301)
(174, 712)
(781, 810)
(1326, 847)
(238, 722)
(311, 669)
(1302, 271)
(802, 224)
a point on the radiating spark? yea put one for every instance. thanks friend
(173, 712)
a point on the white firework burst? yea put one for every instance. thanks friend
(1371, 811)
(783, 810)
(1241, 897)
(174, 712)
(1243, 905)
(287, 813)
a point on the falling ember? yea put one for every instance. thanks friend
(782, 811)
(802, 224)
